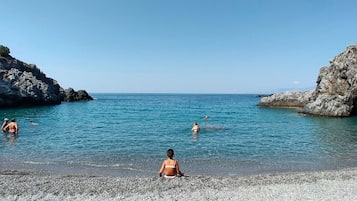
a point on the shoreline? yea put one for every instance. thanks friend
(317, 185)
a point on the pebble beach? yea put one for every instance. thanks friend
(322, 185)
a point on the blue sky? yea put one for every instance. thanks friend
(183, 46)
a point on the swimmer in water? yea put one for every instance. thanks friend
(33, 123)
(4, 124)
(13, 127)
(196, 127)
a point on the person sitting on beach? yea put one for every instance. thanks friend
(13, 128)
(4, 124)
(170, 166)
(196, 127)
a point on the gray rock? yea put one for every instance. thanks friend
(24, 84)
(336, 91)
(335, 94)
(288, 99)
(71, 95)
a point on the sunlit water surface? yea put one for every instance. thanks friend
(128, 134)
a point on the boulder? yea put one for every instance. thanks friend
(71, 95)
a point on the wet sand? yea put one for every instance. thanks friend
(322, 185)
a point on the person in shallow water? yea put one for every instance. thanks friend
(170, 166)
(196, 127)
(13, 127)
(4, 123)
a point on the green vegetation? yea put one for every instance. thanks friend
(4, 51)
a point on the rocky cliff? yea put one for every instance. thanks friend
(335, 94)
(24, 84)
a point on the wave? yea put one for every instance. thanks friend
(40, 162)
(213, 128)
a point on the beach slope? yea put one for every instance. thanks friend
(324, 185)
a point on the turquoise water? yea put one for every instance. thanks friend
(128, 134)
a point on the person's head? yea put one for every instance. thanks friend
(170, 153)
(13, 120)
(195, 123)
(6, 119)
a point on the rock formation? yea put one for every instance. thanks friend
(288, 99)
(71, 95)
(335, 94)
(24, 84)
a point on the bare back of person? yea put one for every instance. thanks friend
(170, 167)
(12, 127)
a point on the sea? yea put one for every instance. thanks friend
(128, 135)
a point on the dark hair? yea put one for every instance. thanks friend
(170, 153)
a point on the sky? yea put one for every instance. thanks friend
(182, 46)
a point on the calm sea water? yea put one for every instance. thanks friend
(128, 134)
